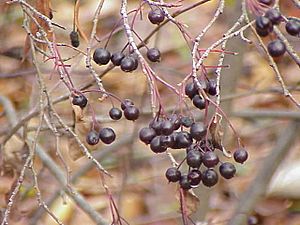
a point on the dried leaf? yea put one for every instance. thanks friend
(192, 201)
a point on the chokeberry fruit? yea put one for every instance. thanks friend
(193, 159)
(156, 124)
(167, 127)
(116, 58)
(184, 182)
(146, 135)
(183, 139)
(190, 90)
(128, 64)
(107, 135)
(240, 155)
(293, 27)
(194, 177)
(186, 121)
(156, 16)
(92, 138)
(212, 87)
(167, 141)
(197, 131)
(74, 39)
(176, 121)
(276, 48)
(131, 113)
(263, 23)
(274, 16)
(173, 174)
(126, 103)
(210, 159)
(199, 102)
(209, 177)
(266, 2)
(80, 100)
(115, 113)
(155, 145)
(101, 56)
(153, 54)
(227, 170)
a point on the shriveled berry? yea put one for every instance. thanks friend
(107, 135)
(186, 121)
(131, 113)
(153, 54)
(115, 113)
(156, 16)
(240, 155)
(209, 177)
(155, 145)
(191, 90)
(146, 135)
(74, 37)
(173, 174)
(193, 159)
(128, 64)
(167, 127)
(183, 139)
(293, 27)
(210, 159)
(198, 131)
(194, 177)
(80, 100)
(116, 58)
(126, 103)
(199, 102)
(92, 138)
(101, 56)
(274, 15)
(184, 182)
(212, 87)
(276, 48)
(227, 170)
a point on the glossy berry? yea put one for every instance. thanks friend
(212, 87)
(240, 155)
(186, 121)
(156, 16)
(263, 23)
(131, 113)
(115, 113)
(173, 174)
(155, 145)
(153, 54)
(92, 138)
(167, 141)
(198, 131)
(74, 37)
(209, 177)
(184, 182)
(293, 27)
(107, 135)
(183, 139)
(126, 103)
(167, 127)
(274, 16)
(176, 121)
(194, 177)
(128, 64)
(190, 90)
(193, 159)
(146, 135)
(210, 159)
(266, 2)
(156, 124)
(227, 170)
(199, 102)
(80, 100)
(276, 48)
(116, 58)
(101, 56)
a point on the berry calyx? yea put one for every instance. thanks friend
(92, 138)
(131, 113)
(146, 135)
(115, 113)
(276, 48)
(209, 177)
(101, 56)
(116, 58)
(173, 174)
(156, 16)
(240, 155)
(153, 54)
(79, 100)
(107, 135)
(293, 27)
(227, 170)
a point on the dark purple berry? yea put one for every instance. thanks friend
(176, 121)
(156, 16)
(194, 177)
(263, 26)
(210, 159)
(153, 54)
(128, 64)
(183, 139)
(107, 135)
(115, 113)
(198, 131)
(276, 48)
(116, 58)
(240, 155)
(131, 113)
(126, 103)
(146, 135)
(155, 145)
(227, 170)
(173, 174)
(199, 102)
(266, 2)
(209, 177)
(212, 87)
(274, 16)
(156, 124)
(191, 90)
(293, 27)
(184, 182)
(74, 39)
(262, 33)
(186, 121)
(167, 141)
(193, 159)
(167, 127)
(101, 56)
(79, 100)
(92, 138)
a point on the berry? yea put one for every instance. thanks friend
(266, 2)
(101, 56)
(126, 103)
(155, 145)
(116, 58)
(199, 102)
(167, 127)
(146, 135)
(209, 177)
(198, 131)
(131, 113)
(107, 135)
(153, 54)
(227, 170)
(183, 139)
(192, 147)
(210, 159)
(115, 113)
(92, 138)
(74, 39)
(156, 16)
(191, 90)
(128, 64)
(167, 140)
(263, 26)
(193, 159)
(293, 27)
(240, 155)
(184, 182)
(212, 87)
(274, 16)
(80, 100)
(276, 48)
(262, 33)
(173, 174)
(186, 121)
(194, 177)
(156, 124)
(176, 121)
